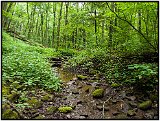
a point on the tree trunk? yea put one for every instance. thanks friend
(58, 28)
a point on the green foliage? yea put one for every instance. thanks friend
(143, 75)
(26, 64)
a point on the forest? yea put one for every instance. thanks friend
(80, 60)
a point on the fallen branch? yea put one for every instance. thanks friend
(103, 106)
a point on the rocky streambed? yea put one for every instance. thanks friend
(115, 103)
(83, 97)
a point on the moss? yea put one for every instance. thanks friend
(34, 103)
(65, 109)
(145, 105)
(153, 97)
(98, 93)
(13, 97)
(51, 109)
(5, 90)
(5, 106)
(115, 85)
(81, 77)
(40, 116)
(131, 113)
(9, 114)
(47, 98)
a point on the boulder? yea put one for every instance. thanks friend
(98, 93)
(145, 105)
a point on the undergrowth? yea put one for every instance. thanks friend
(27, 64)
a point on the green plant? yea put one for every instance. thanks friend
(27, 67)
(143, 75)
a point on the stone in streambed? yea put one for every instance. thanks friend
(100, 108)
(75, 91)
(131, 113)
(40, 116)
(82, 77)
(114, 85)
(47, 98)
(65, 109)
(14, 96)
(51, 109)
(145, 105)
(35, 103)
(98, 93)
(9, 114)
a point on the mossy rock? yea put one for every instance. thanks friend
(145, 105)
(81, 77)
(131, 113)
(13, 97)
(34, 103)
(40, 116)
(9, 114)
(47, 97)
(51, 109)
(5, 90)
(153, 97)
(65, 109)
(5, 106)
(98, 93)
(115, 85)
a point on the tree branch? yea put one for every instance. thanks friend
(133, 28)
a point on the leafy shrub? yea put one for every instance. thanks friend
(143, 75)
(26, 64)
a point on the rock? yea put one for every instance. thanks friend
(13, 97)
(81, 77)
(132, 98)
(121, 116)
(153, 97)
(47, 98)
(68, 116)
(149, 115)
(79, 102)
(114, 101)
(5, 106)
(132, 104)
(5, 90)
(115, 113)
(75, 91)
(107, 91)
(51, 109)
(75, 79)
(80, 86)
(34, 103)
(131, 113)
(84, 114)
(65, 109)
(82, 117)
(98, 93)
(100, 108)
(40, 116)
(123, 94)
(114, 85)
(145, 105)
(9, 114)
